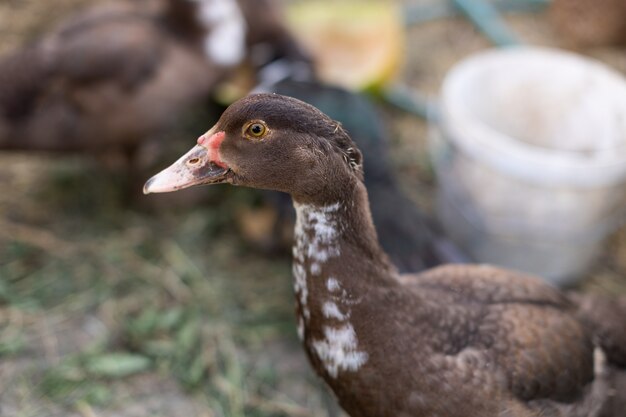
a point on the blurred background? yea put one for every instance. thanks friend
(117, 304)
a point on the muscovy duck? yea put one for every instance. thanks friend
(456, 340)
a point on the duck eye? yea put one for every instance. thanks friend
(256, 130)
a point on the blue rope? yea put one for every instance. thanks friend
(417, 14)
(487, 19)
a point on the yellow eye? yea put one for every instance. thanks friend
(256, 130)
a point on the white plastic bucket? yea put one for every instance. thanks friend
(530, 157)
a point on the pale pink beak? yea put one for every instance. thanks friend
(201, 165)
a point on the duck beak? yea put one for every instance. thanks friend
(196, 167)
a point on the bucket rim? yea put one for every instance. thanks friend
(533, 162)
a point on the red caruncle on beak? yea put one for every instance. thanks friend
(212, 143)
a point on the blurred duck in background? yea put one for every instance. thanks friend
(118, 73)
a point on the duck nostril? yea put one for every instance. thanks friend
(193, 161)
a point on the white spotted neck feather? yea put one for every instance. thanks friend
(317, 242)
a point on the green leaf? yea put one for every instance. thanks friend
(145, 323)
(117, 365)
(170, 318)
(188, 336)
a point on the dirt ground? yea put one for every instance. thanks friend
(111, 310)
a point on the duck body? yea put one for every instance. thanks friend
(109, 76)
(458, 340)
(510, 344)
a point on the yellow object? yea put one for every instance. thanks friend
(356, 44)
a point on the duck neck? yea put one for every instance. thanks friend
(336, 258)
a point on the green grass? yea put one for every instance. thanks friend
(97, 298)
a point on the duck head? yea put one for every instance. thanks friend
(271, 142)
